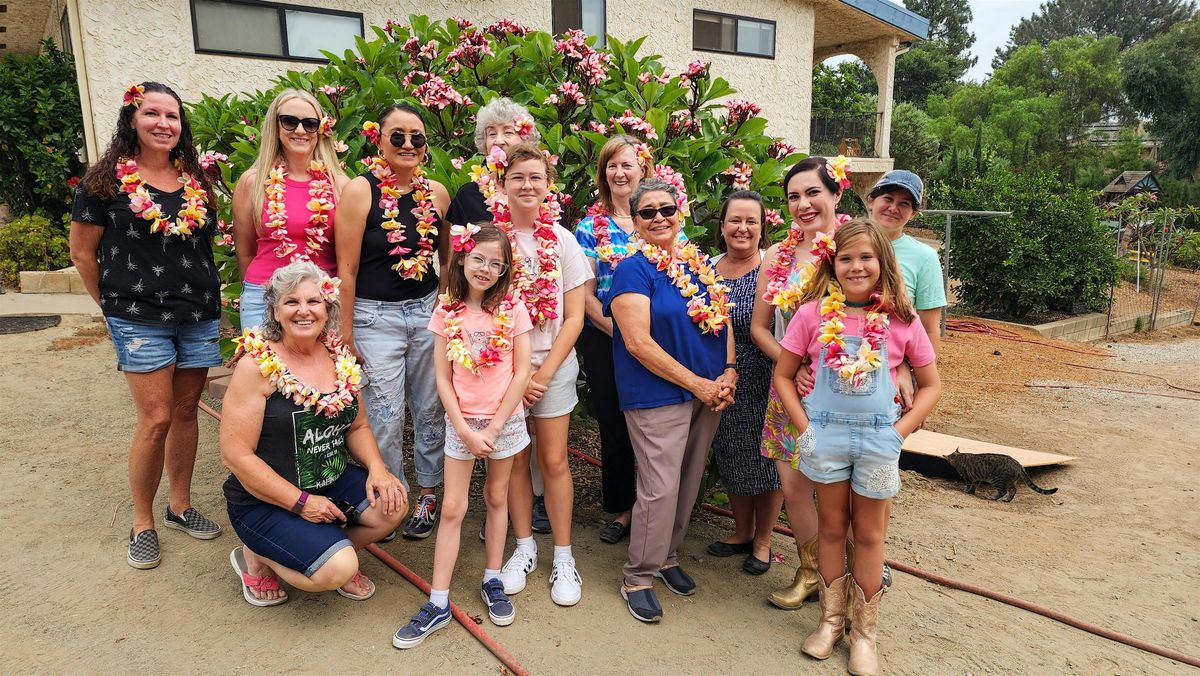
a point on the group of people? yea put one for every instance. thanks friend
(802, 364)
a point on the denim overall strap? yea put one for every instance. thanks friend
(834, 400)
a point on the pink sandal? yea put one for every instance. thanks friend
(359, 580)
(254, 583)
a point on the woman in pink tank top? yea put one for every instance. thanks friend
(284, 203)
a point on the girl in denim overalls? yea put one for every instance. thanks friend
(851, 423)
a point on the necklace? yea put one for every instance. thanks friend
(539, 290)
(852, 369)
(412, 267)
(779, 293)
(191, 215)
(458, 350)
(320, 205)
(687, 260)
(605, 250)
(349, 373)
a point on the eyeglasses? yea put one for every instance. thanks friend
(290, 122)
(648, 213)
(519, 179)
(497, 267)
(416, 138)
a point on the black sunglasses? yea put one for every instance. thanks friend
(290, 122)
(416, 138)
(666, 211)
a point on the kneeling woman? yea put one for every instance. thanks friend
(292, 422)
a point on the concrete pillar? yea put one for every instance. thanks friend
(880, 56)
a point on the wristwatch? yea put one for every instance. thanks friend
(299, 506)
(731, 365)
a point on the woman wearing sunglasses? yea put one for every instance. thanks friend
(673, 346)
(283, 205)
(389, 226)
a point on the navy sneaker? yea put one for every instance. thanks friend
(677, 581)
(643, 604)
(420, 524)
(541, 520)
(428, 619)
(500, 609)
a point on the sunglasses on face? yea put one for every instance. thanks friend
(290, 122)
(649, 212)
(416, 138)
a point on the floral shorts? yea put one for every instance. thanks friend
(513, 438)
(781, 440)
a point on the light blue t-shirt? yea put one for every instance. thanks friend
(922, 273)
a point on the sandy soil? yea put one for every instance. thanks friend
(1117, 545)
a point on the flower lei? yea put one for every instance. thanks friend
(605, 250)
(686, 261)
(875, 328)
(416, 266)
(191, 215)
(349, 373)
(458, 350)
(540, 290)
(786, 296)
(320, 203)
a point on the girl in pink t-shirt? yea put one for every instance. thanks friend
(482, 356)
(856, 324)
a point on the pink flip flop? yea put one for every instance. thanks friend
(359, 579)
(237, 558)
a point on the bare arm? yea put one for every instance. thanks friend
(592, 307)
(932, 321)
(929, 390)
(245, 235)
(760, 321)
(85, 242)
(784, 376)
(350, 221)
(516, 389)
(631, 312)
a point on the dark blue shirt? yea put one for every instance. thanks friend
(670, 326)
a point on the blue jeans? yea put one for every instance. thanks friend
(396, 345)
(253, 305)
(143, 347)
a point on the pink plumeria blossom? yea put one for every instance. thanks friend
(211, 157)
(631, 122)
(505, 27)
(740, 110)
(741, 172)
(458, 162)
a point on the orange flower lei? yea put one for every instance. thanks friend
(779, 293)
(416, 266)
(191, 216)
(686, 261)
(320, 203)
(458, 350)
(349, 373)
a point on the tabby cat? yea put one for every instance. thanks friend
(997, 470)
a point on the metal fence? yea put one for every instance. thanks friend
(1150, 293)
(852, 135)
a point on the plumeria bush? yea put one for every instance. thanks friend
(577, 93)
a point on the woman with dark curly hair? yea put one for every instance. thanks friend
(141, 237)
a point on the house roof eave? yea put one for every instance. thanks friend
(894, 15)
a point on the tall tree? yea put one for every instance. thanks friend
(1162, 79)
(935, 64)
(1130, 21)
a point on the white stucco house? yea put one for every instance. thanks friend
(765, 48)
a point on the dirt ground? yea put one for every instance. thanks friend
(1117, 545)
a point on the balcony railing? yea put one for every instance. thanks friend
(849, 134)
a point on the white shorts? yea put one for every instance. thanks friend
(561, 395)
(513, 438)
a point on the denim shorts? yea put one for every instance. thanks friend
(561, 394)
(253, 305)
(143, 347)
(290, 540)
(862, 448)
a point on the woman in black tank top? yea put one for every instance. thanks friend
(388, 229)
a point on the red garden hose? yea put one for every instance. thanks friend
(506, 658)
(981, 591)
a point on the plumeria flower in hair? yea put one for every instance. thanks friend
(326, 126)
(524, 125)
(642, 150)
(329, 288)
(371, 131)
(134, 95)
(839, 170)
(462, 237)
(824, 247)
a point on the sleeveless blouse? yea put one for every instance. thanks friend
(376, 279)
(295, 203)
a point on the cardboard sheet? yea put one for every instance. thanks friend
(924, 442)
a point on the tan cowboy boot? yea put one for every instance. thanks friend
(832, 627)
(804, 585)
(864, 652)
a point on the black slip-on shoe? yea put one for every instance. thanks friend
(723, 549)
(754, 566)
(677, 581)
(643, 604)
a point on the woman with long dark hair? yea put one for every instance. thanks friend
(141, 238)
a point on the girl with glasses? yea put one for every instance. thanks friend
(389, 226)
(284, 204)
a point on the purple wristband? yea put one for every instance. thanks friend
(299, 506)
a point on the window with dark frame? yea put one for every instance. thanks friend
(731, 34)
(272, 30)
(586, 15)
(64, 33)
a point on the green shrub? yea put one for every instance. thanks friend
(1187, 252)
(32, 243)
(41, 132)
(1052, 253)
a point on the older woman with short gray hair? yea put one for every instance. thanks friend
(673, 346)
(292, 422)
(502, 124)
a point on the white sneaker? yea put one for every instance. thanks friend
(566, 587)
(520, 564)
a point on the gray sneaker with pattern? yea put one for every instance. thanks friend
(193, 523)
(143, 549)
